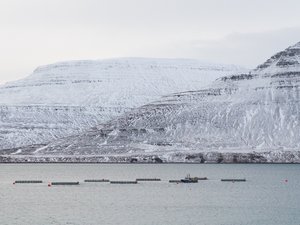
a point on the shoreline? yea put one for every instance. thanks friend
(145, 163)
(271, 157)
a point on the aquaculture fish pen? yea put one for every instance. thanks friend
(65, 183)
(96, 180)
(28, 182)
(148, 179)
(123, 182)
(234, 180)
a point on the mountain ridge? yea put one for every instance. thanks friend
(253, 117)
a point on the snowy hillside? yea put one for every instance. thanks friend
(249, 117)
(66, 98)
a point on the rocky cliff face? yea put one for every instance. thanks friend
(66, 98)
(251, 117)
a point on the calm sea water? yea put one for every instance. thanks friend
(270, 196)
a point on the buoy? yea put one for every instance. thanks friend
(286, 180)
(14, 183)
(49, 185)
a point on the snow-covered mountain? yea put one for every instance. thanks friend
(66, 98)
(249, 117)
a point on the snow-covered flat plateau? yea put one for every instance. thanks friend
(68, 98)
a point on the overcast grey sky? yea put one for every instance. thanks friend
(244, 32)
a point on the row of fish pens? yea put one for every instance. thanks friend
(117, 182)
(125, 181)
(88, 181)
(40, 182)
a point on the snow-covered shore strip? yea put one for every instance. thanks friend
(202, 157)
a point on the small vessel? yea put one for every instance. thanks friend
(189, 179)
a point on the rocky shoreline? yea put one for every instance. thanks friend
(202, 157)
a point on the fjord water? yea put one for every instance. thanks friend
(271, 195)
